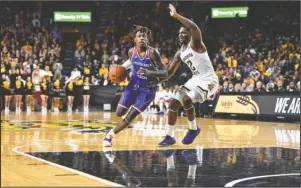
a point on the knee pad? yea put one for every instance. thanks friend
(131, 115)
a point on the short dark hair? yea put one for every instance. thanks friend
(142, 29)
(185, 28)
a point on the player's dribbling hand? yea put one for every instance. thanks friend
(142, 72)
(172, 9)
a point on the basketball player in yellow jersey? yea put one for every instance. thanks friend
(199, 88)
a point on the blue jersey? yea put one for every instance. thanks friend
(139, 63)
(139, 93)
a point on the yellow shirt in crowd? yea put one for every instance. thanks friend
(269, 60)
(260, 66)
(231, 62)
(87, 71)
(3, 70)
(82, 43)
(103, 71)
(27, 48)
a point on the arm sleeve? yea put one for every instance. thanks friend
(127, 65)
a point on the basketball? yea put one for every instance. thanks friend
(117, 74)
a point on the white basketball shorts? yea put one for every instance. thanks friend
(198, 89)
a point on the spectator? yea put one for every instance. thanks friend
(280, 87)
(94, 81)
(80, 52)
(250, 88)
(291, 87)
(56, 33)
(231, 87)
(103, 73)
(259, 87)
(264, 79)
(57, 69)
(114, 58)
(75, 72)
(81, 42)
(255, 74)
(237, 87)
(225, 87)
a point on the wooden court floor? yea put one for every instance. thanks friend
(66, 150)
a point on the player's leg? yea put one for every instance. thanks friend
(199, 91)
(126, 100)
(129, 117)
(194, 130)
(174, 106)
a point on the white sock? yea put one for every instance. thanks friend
(110, 134)
(191, 171)
(192, 125)
(171, 130)
(170, 163)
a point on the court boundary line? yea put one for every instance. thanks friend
(232, 183)
(109, 183)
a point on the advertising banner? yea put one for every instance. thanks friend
(229, 12)
(72, 16)
(278, 104)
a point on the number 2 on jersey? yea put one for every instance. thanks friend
(189, 63)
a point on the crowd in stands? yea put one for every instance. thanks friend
(30, 58)
(250, 58)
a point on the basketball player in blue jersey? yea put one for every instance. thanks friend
(147, 68)
(199, 88)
